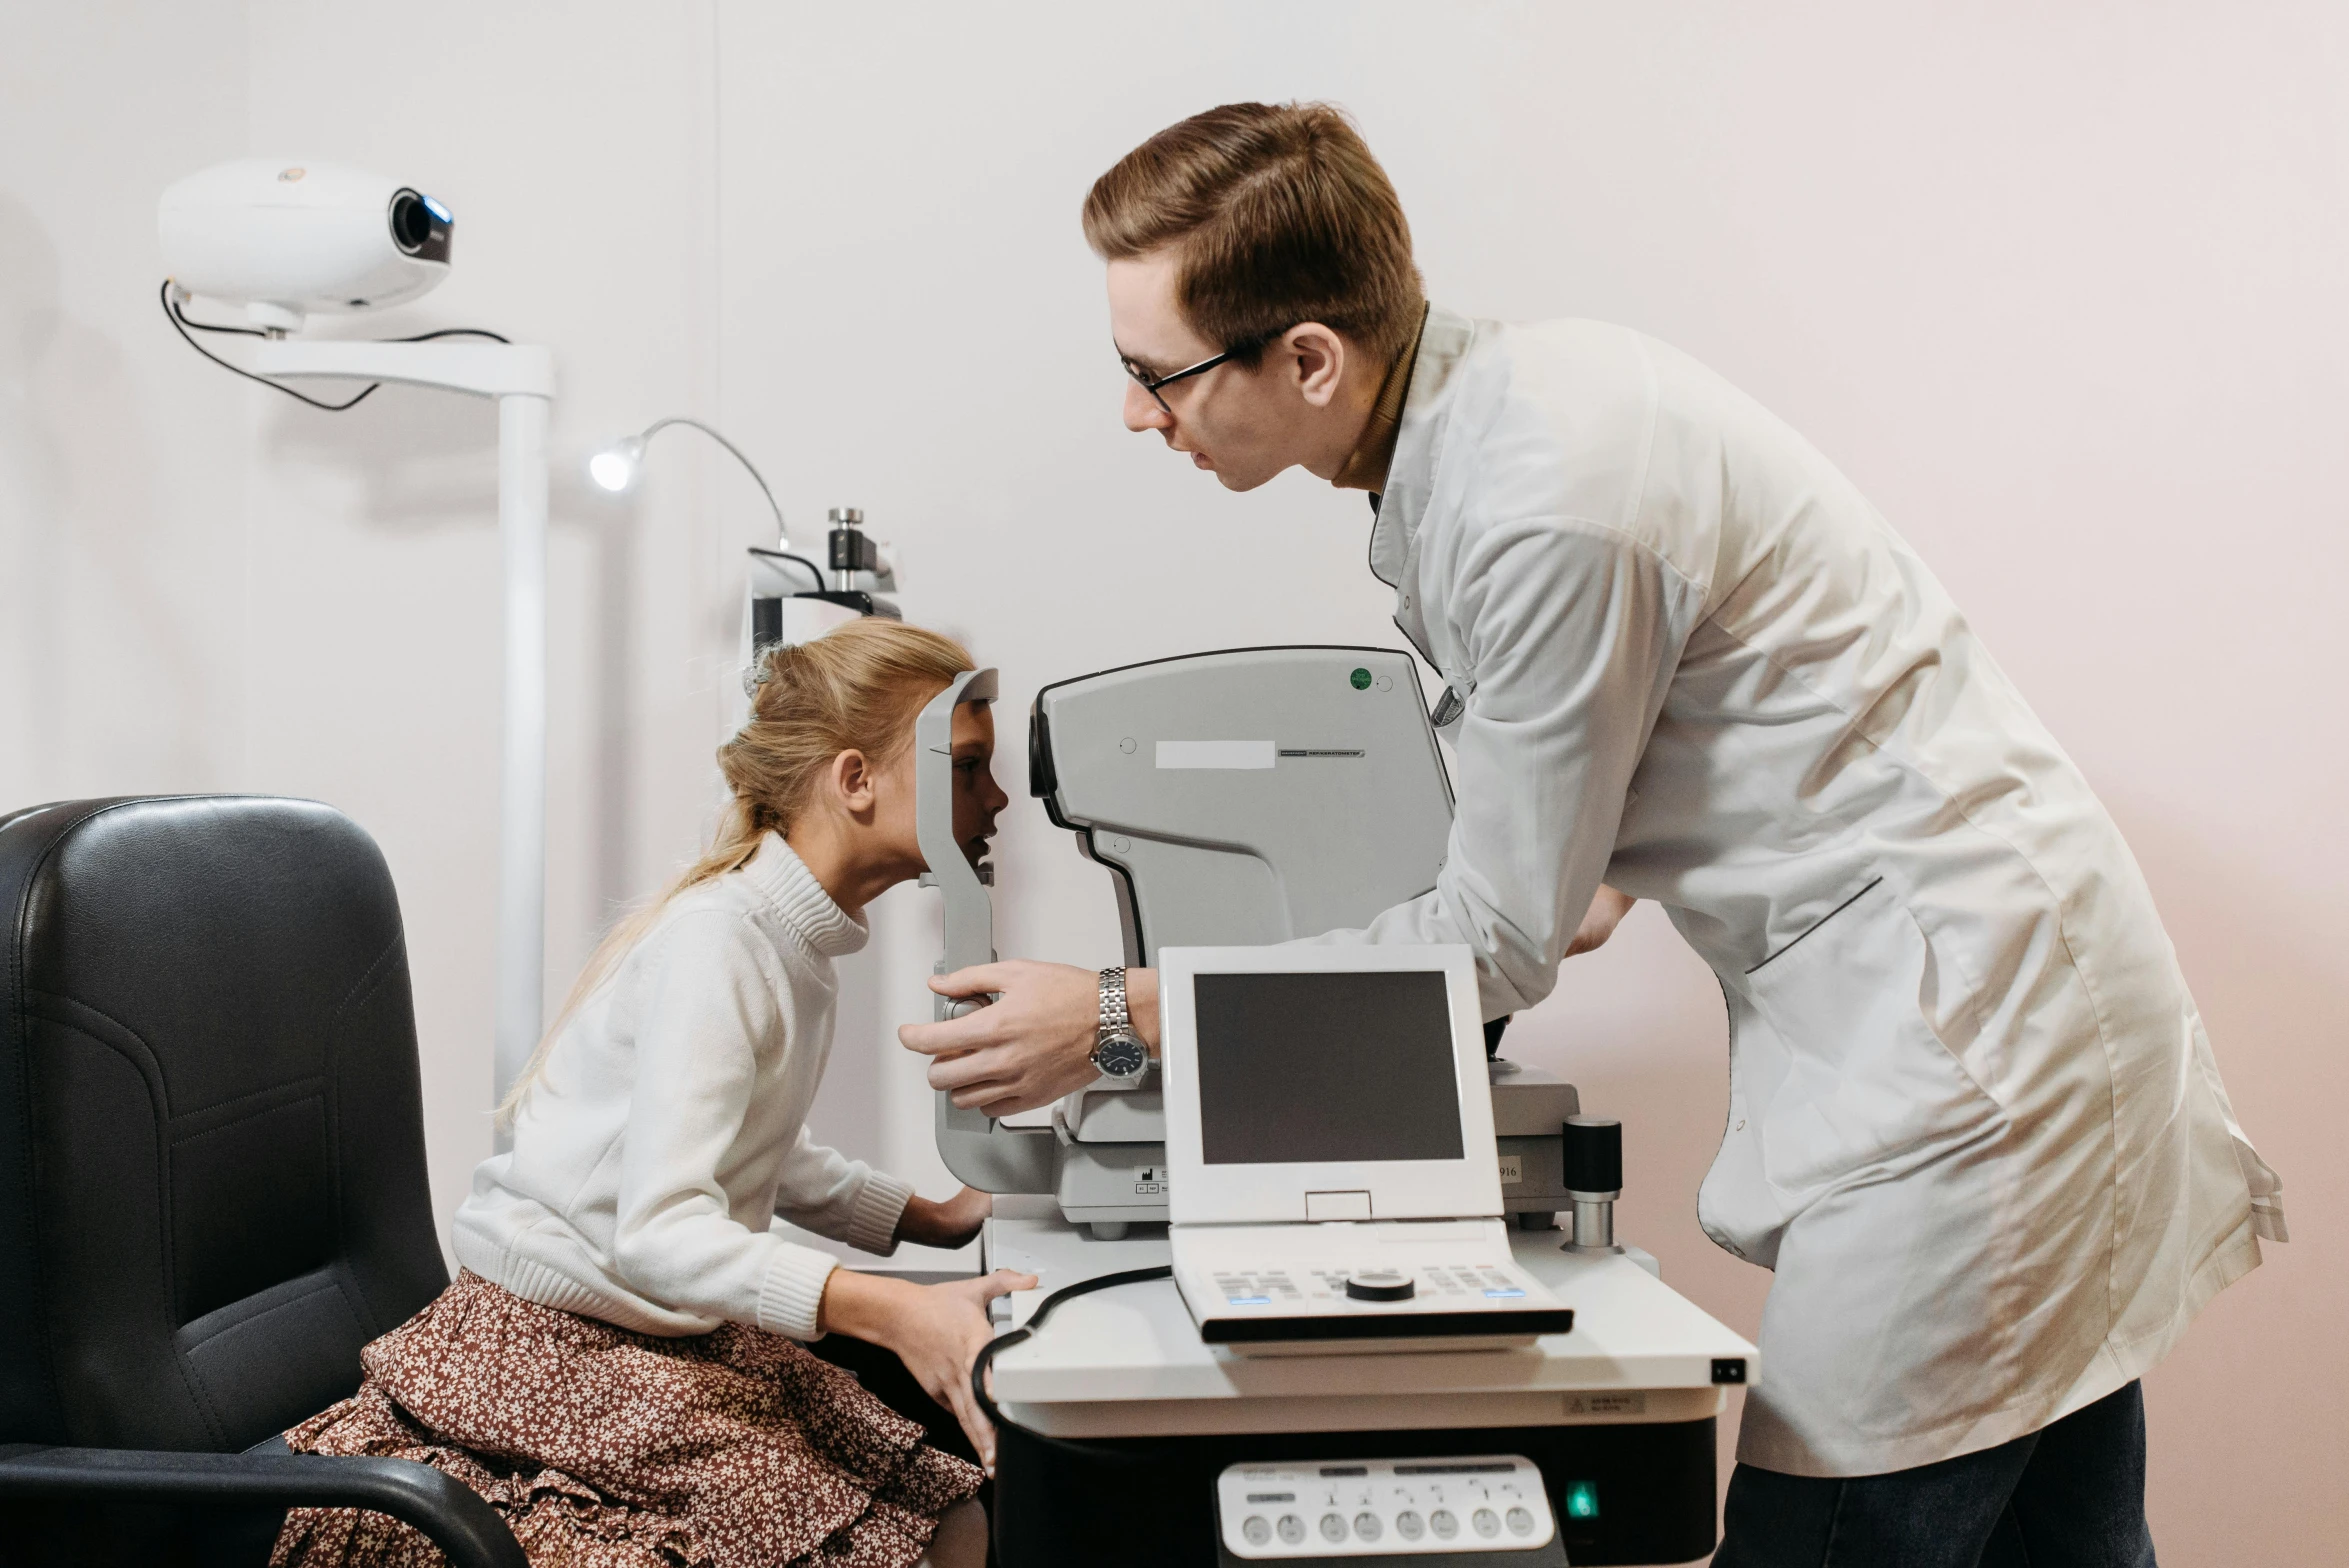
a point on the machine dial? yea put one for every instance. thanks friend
(1380, 1285)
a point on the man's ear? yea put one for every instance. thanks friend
(852, 777)
(1316, 356)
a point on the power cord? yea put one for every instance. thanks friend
(1044, 1309)
(183, 326)
(800, 561)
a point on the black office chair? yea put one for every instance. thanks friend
(212, 1187)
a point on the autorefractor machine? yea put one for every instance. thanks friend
(1307, 1295)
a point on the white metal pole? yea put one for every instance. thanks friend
(521, 376)
(521, 950)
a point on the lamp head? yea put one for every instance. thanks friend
(615, 468)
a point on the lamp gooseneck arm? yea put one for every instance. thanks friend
(781, 533)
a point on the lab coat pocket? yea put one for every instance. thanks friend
(1870, 1087)
(1736, 1205)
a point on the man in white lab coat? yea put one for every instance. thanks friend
(1974, 1124)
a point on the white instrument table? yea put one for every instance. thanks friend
(1128, 1362)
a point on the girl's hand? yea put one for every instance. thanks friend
(936, 1330)
(950, 1224)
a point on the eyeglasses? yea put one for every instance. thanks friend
(1150, 383)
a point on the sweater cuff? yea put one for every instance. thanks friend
(791, 1298)
(873, 1217)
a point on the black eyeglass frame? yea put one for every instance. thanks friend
(1151, 384)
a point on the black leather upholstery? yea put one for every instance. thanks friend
(212, 1181)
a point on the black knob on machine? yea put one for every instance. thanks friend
(1594, 1154)
(1380, 1285)
(1593, 1148)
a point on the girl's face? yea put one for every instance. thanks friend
(858, 835)
(977, 797)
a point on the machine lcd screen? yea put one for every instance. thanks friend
(1325, 1066)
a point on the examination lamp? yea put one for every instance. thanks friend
(615, 467)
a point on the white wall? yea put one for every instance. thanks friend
(122, 461)
(2060, 292)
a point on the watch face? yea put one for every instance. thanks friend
(1121, 1056)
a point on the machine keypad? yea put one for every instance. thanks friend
(1384, 1507)
(1259, 1288)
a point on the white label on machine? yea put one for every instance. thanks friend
(1215, 754)
(1512, 1170)
(1358, 1508)
(1609, 1402)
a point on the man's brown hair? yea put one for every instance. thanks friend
(1279, 215)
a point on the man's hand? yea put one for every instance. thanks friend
(949, 1224)
(1034, 1044)
(1606, 912)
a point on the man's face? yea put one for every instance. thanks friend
(1241, 424)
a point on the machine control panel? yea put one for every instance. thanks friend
(1486, 1281)
(1454, 1505)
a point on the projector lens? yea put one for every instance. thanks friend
(411, 223)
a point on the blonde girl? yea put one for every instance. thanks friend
(621, 1367)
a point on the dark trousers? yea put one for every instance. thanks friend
(2071, 1495)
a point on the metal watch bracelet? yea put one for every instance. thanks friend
(1113, 1002)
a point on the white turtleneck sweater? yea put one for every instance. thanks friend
(668, 1129)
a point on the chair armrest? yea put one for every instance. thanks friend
(452, 1515)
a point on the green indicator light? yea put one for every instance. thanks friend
(1361, 680)
(1582, 1501)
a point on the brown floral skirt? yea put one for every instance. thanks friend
(607, 1449)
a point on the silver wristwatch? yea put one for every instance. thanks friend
(1118, 1052)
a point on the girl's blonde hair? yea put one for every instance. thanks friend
(856, 688)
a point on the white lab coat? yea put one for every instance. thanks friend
(1974, 1123)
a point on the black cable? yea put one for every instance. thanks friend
(995, 1347)
(181, 324)
(448, 332)
(186, 320)
(181, 317)
(800, 561)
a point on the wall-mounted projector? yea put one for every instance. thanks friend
(285, 239)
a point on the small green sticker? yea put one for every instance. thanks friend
(1361, 680)
(1582, 1501)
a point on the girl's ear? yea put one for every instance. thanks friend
(853, 781)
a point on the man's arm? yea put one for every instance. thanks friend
(1573, 633)
(1035, 1043)
(1039, 1046)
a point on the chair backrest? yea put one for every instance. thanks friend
(212, 1179)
